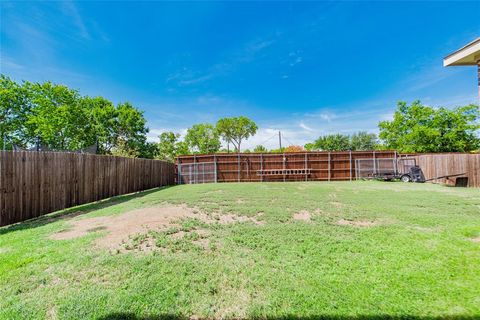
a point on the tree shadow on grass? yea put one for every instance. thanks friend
(76, 211)
(132, 316)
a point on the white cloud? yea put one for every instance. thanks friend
(71, 10)
(296, 61)
(326, 115)
(305, 127)
(247, 53)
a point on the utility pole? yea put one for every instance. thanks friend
(280, 140)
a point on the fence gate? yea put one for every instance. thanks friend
(193, 173)
(374, 167)
(379, 167)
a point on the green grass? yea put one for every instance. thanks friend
(419, 261)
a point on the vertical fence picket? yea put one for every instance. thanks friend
(36, 183)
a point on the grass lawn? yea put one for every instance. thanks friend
(307, 250)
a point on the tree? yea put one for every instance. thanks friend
(203, 138)
(130, 131)
(14, 108)
(260, 149)
(362, 141)
(234, 130)
(333, 142)
(419, 128)
(56, 117)
(170, 147)
(61, 119)
(294, 148)
(309, 146)
(102, 123)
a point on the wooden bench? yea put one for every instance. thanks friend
(284, 172)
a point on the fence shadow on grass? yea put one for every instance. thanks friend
(76, 211)
(131, 316)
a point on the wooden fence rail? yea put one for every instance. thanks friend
(251, 167)
(444, 164)
(36, 183)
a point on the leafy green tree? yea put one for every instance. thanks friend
(14, 109)
(169, 146)
(61, 119)
(56, 118)
(309, 146)
(420, 128)
(148, 150)
(333, 142)
(362, 141)
(130, 129)
(203, 138)
(102, 123)
(236, 129)
(260, 149)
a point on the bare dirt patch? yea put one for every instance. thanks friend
(336, 204)
(425, 229)
(357, 223)
(232, 218)
(4, 250)
(303, 215)
(477, 239)
(204, 243)
(120, 228)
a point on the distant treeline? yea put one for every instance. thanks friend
(61, 119)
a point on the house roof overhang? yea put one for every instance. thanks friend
(469, 55)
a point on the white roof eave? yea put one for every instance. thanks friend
(466, 56)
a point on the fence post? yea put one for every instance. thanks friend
(195, 169)
(306, 164)
(356, 169)
(238, 178)
(179, 173)
(350, 165)
(395, 168)
(261, 167)
(329, 166)
(374, 164)
(215, 166)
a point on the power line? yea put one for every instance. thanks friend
(274, 135)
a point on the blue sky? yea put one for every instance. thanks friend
(306, 68)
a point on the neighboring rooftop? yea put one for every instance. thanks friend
(466, 56)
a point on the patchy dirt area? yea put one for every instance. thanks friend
(302, 215)
(4, 250)
(425, 229)
(477, 239)
(357, 223)
(120, 228)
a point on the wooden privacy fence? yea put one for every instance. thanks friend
(444, 164)
(36, 183)
(299, 166)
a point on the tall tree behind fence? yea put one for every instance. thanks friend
(36, 183)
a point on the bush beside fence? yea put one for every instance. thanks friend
(36, 183)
